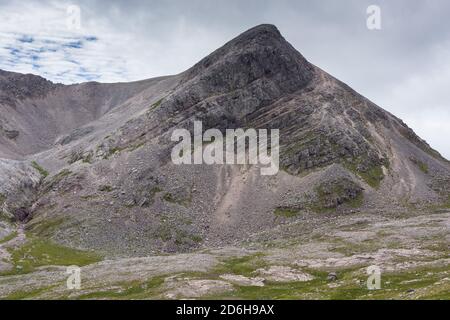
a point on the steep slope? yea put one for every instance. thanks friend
(112, 187)
(34, 111)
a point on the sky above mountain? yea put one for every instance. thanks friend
(404, 67)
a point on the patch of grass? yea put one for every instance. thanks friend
(352, 248)
(105, 188)
(241, 265)
(75, 156)
(87, 158)
(442, 207)
(9, 237)
(136, 146)
(164, 232)
(127, 291)
(39, 252)
(155, 190)
(172, 199)
(427, 283)
(44, 227)
(156, 104)
(332, 195)
(56, 179)
(421, 165)
(62, 174)
(286, 212)
(169, 198)
(41, 170)
(356, 202)
(113, 151)
(372, 177)
(196, 238)
(351, 285)
(446, 204)
(89, 197)
(151, 195)
(29, 294)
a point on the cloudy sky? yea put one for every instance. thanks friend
(404, 67)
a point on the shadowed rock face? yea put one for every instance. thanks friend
(102, 176)
(15, 86)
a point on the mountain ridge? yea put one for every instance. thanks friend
(98, 159)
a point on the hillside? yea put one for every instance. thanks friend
(88, 166)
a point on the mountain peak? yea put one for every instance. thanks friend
(258, 53)
(262, 32)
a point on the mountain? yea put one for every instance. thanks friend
(88, 165)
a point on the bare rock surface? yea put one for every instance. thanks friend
(283, 274)
(195, 288)
(87, 167)
(243, 281)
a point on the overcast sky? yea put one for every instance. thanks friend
(404, 67)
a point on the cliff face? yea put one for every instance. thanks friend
(102, 153)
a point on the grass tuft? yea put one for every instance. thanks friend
(286, 212)
(41, 170)
(39, 252)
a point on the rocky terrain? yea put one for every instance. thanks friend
(86, 179)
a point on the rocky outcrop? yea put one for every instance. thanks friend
(102, 177)
(16, 86)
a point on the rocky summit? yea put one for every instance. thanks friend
(86, 175)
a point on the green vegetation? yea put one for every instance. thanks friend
(2, 202)
(169, 198)
(245, 265)
(38, 252)
(121, 291)
(41, 170)
(337, 193)
(56, 179)
(128, 291)
(62, 174)
(87, 158)
(9, 237)
(372, 177)
(155, 190)
(286, 212)
(356, 202)
(172, 199)
(113, 151)
(351, 285)
(44, 227)
(184, 238)
(421, 165)
(447, 203)
(444, 206)
(164, 232)
(75, 155)
(29, 294)
(156, 104)
(196, 238)
(136, 146)
(105, 188)
(279, 290)
(151, 195)
(167, 231)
